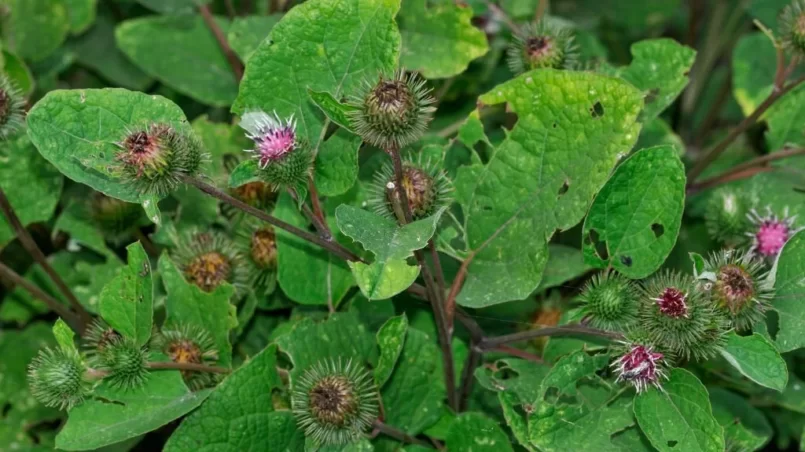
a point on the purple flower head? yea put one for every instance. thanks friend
(672, 302)
(272, 138)
(641, 367)
(770, 232)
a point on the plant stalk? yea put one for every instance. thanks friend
(170, 365)
(231, 57)
(52, 303)
(398, 434)
(564, 330)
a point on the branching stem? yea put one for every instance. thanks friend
(170, 365)
(52, 303)
(231, 57)
(398, 434)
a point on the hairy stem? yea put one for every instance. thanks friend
(84, 317)
(564, 330)
(748, 122)
(333, 247)
(170, 365)
(231, 57)
(398, 434)
(52, 303)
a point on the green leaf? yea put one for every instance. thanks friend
(757, 359)
(307, 273)
(390, 339)
(571, 427)
(753, 68)
(679, 417)
(476, 432)
(172, 6)
(438, 40)
(222, 141)
(745, 427)
(659, 68)
(787, 274)
(322, 45)
(383, 280)
(517, 423)
(36, 27)
(244, 173)
(75, 221)
(240, 414)
(542, 177)
(413, 396)
(96, 50)
(564, 263)
(64, 336)
(193, 63)
(114, 415)
(336, 111)
(58, 127)
(657, 132)
(566, 372)
(187, 304)
(81, 14)
(518, 377)
(786, 120)
(336, 166)
(638, 213)
(31, 184)
(127, 302)
(342, 335)
(246, 33)
(18, 72)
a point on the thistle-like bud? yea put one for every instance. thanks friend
(725, 216)
(284, 159)
(208, 259)
(153, 160)
(98, 336)
(57, 378)
(739, 286)
(189, 344)
(258, 242)
(769, 233)
(124, 362)
(426, 187)
(335, 402)
(392, 112)
(641, 365)
(676, 314)
(542, 45)
(610, 302)
(12, 108)
(792, 26)
(113, 216)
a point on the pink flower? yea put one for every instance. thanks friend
(272, 138)
(672, 302)
(641, 367)
(771, 232)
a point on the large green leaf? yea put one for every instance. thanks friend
(390, 339)
(246, 33)
(753, 67)
(192, 62)
(788, 271)
(239, 414)
(81, 14)
(757, 359)
(571, 128)
(172, 6)
(307, 273)
(188, 304)
(518, 377)
(127, 301)
(76, 131)
(336, 166)
(745, 427)
(36, 27)
(30, 183)
(786, 119)
(114, 415)
(438, 40)
(679, 416)
(659, 68)
(478, 433)
(638, 213)
(321, 45)
(564, 263)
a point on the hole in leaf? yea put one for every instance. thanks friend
(564, 188)
(105, 400)
(672, 443)
(651, 95)
(658, 230)
(555, 125)
(600, 247)
(626, 260)
(486, 208)
(597, 110)
(510, 120)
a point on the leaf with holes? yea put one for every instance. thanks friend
(542, 177)
(127, 301)
(635, 219)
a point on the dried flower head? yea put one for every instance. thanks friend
(154, 159)
(770, 233)
(610, 302)
(725, 216)
(426, 187)
(12, 108)
(792, 26)
(393, 111)
(125, 363)
(257, 241)
(739, 286)
(191, 344)
(641, 366)
(208, 259)
(57, 378)
(542, 45)
(285, 160)
(335, 401)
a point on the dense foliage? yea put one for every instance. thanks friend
(486, 225)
